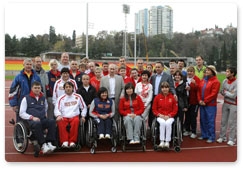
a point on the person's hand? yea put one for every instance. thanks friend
(15, 108)
(132, 115)
(59, 118)
(83, 119)
(35, 119)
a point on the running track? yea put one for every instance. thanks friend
(192, 150)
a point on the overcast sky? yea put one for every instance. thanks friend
(26, 18)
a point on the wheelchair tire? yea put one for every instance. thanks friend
(113, 149)
(20, 137)
(92, 150)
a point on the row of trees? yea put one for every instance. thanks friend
(220, 50)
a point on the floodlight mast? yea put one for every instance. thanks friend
(126, 10)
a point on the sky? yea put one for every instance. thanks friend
(25, 18)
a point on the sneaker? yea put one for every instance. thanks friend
(65, 144)
(136, 142)
(131, 142)
(45, 149)
(72, 144)
(101, 136)
(193, 136)
(230, 143)
(167, 144)
(220, 140)
(209, 141)
(162, 144)
(186, 133)
(20, 145)
(52, 147)
(108, 136)
(200, 138)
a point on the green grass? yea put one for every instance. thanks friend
(221, 77)
(9, 77)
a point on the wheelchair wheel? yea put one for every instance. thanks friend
(20, 139)
(82, 133)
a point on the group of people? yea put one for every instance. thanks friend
(70, 92)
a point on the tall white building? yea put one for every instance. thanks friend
(156, 20)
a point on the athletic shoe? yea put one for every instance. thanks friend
(209, 141)
(162, 144)
(65, 144)
(72, 144)
(200, 138)
(220, 140)
(45, 149)
(193, 136)
(186, 133)
(131, 142)
(19, 145)
(167, 144)
(52, 147)
(101, 136)
(230, 143)
(136, 142)
(107, 136)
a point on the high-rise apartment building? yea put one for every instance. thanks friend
(156, 20)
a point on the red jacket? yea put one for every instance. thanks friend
(193, 91)
(124, 106)
(165, 105)
(208, 90)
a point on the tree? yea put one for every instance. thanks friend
(74, 39)
(52, 35)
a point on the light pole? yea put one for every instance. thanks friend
(126, 10)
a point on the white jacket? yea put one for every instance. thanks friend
(70, 105)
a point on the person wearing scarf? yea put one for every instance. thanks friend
(229, 108)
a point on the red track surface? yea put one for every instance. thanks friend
(192, 150)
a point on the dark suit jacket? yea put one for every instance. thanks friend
(165, 77)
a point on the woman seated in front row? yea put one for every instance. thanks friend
(102, 109)
(165, 107)
(131, 108)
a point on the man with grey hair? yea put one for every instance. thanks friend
(21, 85)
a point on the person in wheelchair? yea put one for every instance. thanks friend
(102, 109)
(67, 113)
(33, 109)
(131, 108)
(165, 107)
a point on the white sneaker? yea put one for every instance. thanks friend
(20, 145)
(131, 142)
(72, 144)
(136, 142)
(220, 140)
(101, 136)
(162, 144)
(167, 145)
(45, 149)
(193, 135)
(108, 136)
(186, 133)
(65, 144)
(52, 147)
(230, 143)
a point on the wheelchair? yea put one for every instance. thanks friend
(123, 137)
(92, 135)
(176, 137)
(21, 137)
(81, 141)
